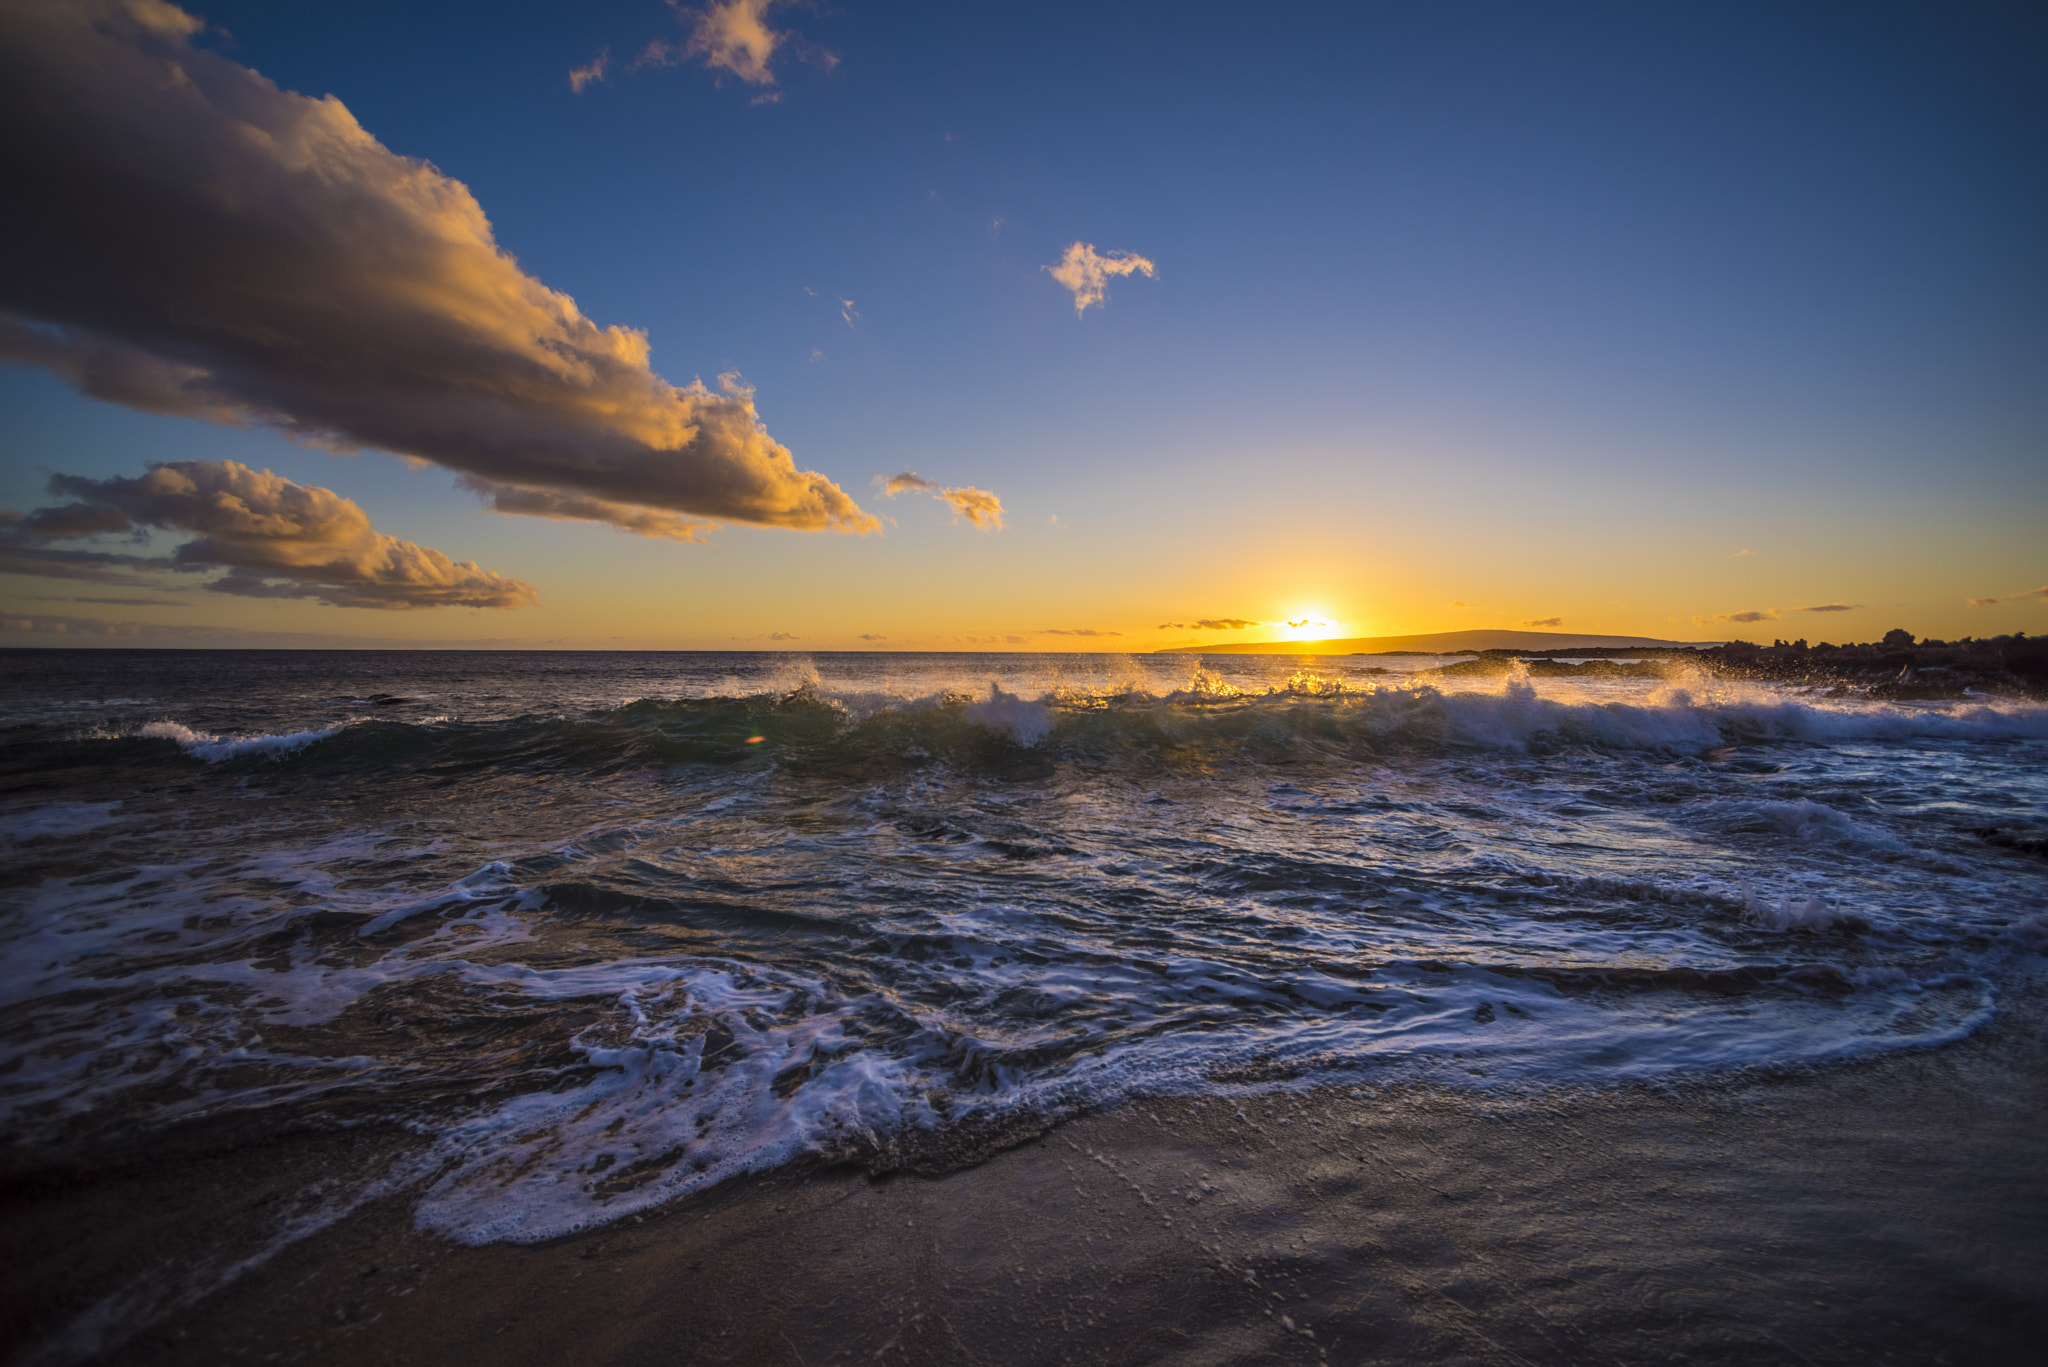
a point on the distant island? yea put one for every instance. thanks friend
(1441, 643)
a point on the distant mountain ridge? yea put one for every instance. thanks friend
(1437, 643)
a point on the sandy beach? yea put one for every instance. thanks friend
(1889, 1210)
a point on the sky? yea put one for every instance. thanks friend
(772, 325)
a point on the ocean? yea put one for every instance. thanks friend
(601, 930)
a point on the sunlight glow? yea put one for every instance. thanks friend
(1306, 626)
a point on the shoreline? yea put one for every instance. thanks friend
(1881, 1209)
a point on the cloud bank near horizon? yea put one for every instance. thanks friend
(2039, 595)
(205, 244)
(275, 538)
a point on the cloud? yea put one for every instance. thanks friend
(1075, 631)
(1017, 640)
(1751, 615)
(82, 629)
(47, 625)
(784, 636)
(1210, 624)
(2038, 595)
(1739, 554)
(733, 36)
(1544, 622)
(872, 636)
(209, 245)
(978, 506)
(584, 75)
(846, 311)
(18, 556)
(1456, 604)
(1087, 274)
(511, 499)
(123, 602)
(1830, 607)
(275, 539)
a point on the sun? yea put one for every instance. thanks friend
(1307, 625)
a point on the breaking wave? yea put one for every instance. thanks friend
(1305, 715)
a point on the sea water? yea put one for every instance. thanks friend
(601, 930)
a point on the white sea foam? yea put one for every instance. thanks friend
(1801, 819)
(1025, 722)
(205, 745)
(1809, 914)
(55, 819)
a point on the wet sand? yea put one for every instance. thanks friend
(1894, 1210)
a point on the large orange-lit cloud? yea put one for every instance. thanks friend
(978, 506)
(275, 539)
(1211, 624)
(184, 237)
(1086, 272)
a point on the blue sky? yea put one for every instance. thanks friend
(1554, 310)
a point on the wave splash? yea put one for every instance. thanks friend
(1305, 712)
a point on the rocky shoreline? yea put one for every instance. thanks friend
(1896, 669)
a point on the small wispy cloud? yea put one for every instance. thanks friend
(784, 636)
(1544, 622)
(1087, 272)
(872, 636)
(1074, 631)
(1210, 624)
(978, 506)
(1739, 554)
(1743, 617)
(1456, 604)
(1829, 607)
(846, 308)
(2036, 595)
(595, 71)
(734, 37)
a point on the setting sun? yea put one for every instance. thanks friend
(1306, 626)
